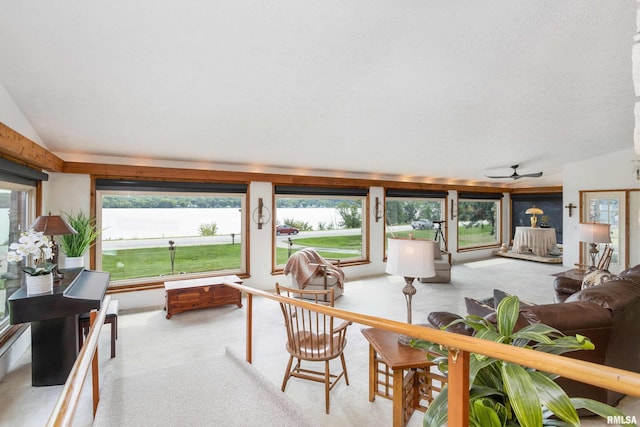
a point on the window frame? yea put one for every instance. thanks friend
(177, 188)
(333, 193)
(413, 196)
(495, 198)
(30, 188)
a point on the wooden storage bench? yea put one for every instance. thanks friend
(193, 294)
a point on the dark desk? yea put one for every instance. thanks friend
(54, 321)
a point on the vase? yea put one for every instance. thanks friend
(39, 284)
(74, 262)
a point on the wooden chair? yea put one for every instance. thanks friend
(312, 337)
(603, 262)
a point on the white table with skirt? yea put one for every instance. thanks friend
(539, 240)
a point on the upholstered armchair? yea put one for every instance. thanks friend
(442, 263)
(310, 271)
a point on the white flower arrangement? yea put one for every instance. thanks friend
(38, 246)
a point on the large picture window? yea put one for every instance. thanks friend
(152, 230)
(478, 220)
(329, 220)
(14, 218)
(414, 213)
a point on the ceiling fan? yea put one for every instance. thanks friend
(516, 175)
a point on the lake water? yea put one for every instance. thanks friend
(165, 223)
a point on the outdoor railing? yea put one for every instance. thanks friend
(65, 408)
(459, 348)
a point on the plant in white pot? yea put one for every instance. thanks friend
(76, 245)
(38, 246)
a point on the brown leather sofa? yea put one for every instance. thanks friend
(609, 314)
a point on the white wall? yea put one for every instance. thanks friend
(11, 115)
(609, 172)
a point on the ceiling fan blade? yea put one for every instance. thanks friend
(531, 175)
(497, 177)
(515, 175)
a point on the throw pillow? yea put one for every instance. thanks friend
(477, 308)
(499, 295)
(595, 278)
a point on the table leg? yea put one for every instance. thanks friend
(372, 373)
(398, 396)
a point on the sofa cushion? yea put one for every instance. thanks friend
(478, 308)
(499, 295)
(595, 278)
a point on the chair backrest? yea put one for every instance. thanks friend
(309, 333)
(605, 259)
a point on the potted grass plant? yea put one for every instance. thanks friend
(509, 394)
(76, 245)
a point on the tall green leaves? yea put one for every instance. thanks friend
(503, 393)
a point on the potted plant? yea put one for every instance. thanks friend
(38, 246)
(507, 394)
(76, 245)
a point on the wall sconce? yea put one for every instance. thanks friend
(636, 169)
(453, 212)
(378, 210)
(261, 215)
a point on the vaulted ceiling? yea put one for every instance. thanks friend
(423, 90)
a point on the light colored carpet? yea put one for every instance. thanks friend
(221, 390)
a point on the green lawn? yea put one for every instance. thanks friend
(149, 262)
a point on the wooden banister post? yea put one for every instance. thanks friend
(458, 386)
(95, 375)
(249, 343)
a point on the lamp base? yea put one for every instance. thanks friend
(406, 339)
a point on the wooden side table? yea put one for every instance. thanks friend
(388, 362)
(193, 294)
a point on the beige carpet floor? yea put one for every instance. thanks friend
(234, 394)
(151, 344)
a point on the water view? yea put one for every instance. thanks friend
(142, 223)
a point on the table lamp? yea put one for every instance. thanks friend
(53, 225)
(533, 212)
(594, 233)
(410, 258)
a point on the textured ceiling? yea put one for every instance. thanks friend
(422, 90)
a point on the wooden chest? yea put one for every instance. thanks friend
(193, 294)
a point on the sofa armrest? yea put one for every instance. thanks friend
(566, 285)
(440, 319)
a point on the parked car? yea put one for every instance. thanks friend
(286, 229)
(422, 224)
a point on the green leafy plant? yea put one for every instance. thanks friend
(508, 394)
(210, 229)
(75, 245)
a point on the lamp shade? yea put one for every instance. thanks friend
(411, 257)
(534, 211)
(52, 225)
(592, 232)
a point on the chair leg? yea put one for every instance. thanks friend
(327, 388)
(80, 336)
(287, 373)
(344, 368)
(114, 329)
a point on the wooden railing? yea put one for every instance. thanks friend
(65, 408)
(460, 348)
